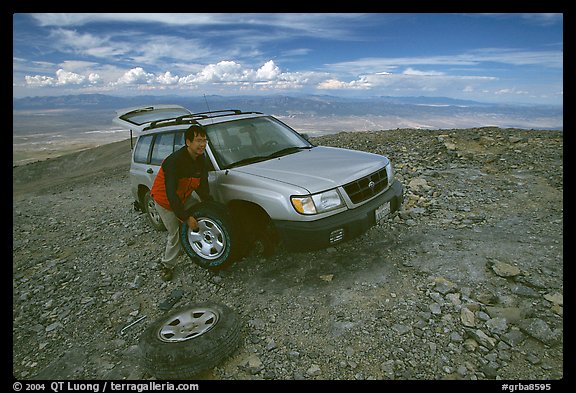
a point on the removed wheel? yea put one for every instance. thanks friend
(190, 340)
(211, 245)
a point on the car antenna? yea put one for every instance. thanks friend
(206, 101)
(207, 106)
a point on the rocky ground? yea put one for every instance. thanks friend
(466, 282)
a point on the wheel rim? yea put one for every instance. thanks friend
(152, 212)
(188, 324)
(208, 241)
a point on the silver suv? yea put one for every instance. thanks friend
(274, 183)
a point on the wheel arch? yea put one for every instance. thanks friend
(246, 210)
(253, 224)
(142, 189)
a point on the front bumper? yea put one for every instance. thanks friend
(307, 235)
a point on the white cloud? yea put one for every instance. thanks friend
(331, 84)
(510, 91)
(223, 71)
(509, 56)
(268, 76)
(94, 78)
(39, 81)
(167, 78)
(413, 72)
(268, 71)
(227, 73)
(409, 82)
(334, 84)
(87, 44)
(331, 25)
(63, 78)
(67, 78)
(136, 76)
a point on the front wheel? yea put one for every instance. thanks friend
(211, 245)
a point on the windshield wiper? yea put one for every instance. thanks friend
(249, 160)
(288, 150)
(279, 153)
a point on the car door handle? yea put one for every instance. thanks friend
(150, 170)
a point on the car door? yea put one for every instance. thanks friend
(149, 153)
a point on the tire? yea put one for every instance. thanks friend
(152, 214)
(190, 340)
(211, 246)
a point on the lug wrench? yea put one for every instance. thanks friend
(131, 324)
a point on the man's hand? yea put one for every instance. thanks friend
(192, 223)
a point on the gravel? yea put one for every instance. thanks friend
(465, 282)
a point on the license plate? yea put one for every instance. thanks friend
(382, 211)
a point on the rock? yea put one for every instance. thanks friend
(510, 314)
(497, 325)
(53, 326)
(271, 345)
(314, 370)
(467, 317)
(401, 329)
(505, 270)
(538, 329)
(523, 290)
(482, 338)
(444, 286)
(418, 184)
(486, 297)
(435, 308)
(253, 365)
(555, 298)
(470, 344)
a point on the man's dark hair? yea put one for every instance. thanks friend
(193, 131)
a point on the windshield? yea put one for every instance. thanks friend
(244, 141)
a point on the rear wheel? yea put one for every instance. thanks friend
(153, 216)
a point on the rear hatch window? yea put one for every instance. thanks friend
(148, 115)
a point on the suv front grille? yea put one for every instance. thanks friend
(365, 188)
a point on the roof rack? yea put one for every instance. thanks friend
(194, 117)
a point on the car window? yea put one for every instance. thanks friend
(163, 146)
(142, 149)
(179, 140)
(151, 114)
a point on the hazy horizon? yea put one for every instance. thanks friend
(71, 124)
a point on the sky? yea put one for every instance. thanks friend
(498, 58)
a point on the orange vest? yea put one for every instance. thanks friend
(178, 177)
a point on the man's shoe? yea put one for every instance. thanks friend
(166, 273)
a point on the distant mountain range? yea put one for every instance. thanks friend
(280, 104)
(302, 106)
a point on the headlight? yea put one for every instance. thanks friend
(317, 203)
(390, 173)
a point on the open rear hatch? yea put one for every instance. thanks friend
(138, 118)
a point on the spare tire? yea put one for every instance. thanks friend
(190, 340)
(210, 246)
